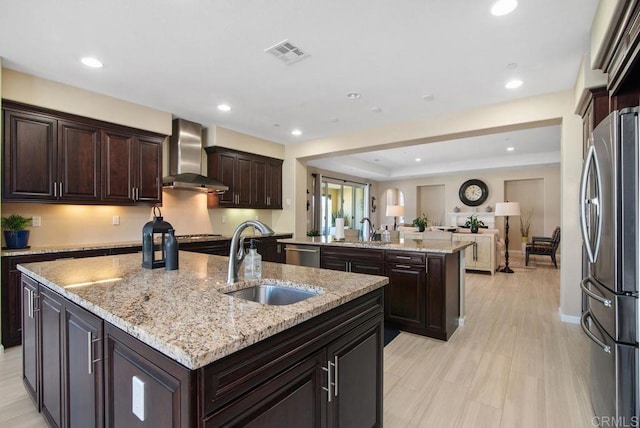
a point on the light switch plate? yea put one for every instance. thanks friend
(137, 397)
(116, 220)
(223, 219)
(36, 221)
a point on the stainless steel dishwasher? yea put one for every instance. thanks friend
(303, 255)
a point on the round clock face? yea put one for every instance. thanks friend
(473, 192)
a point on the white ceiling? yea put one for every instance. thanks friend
(187, 56)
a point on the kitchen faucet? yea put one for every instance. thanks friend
(372, 229)
(236, 252)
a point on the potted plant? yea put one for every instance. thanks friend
(473, 223)
(15, 234)
(421, 222)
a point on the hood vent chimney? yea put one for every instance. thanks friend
(185, 160)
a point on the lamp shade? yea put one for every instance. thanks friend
(507, 209)
(395, 210)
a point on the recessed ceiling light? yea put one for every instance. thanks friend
(224, 107)
(277, 125)
(353, 95)
(92, 62)
(513, 84)
(376, 109)
(428, 97)
(296, 132)
(503, 7)
(418, 159)
(510, 149)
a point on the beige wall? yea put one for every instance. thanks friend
(495, 179)
(33, 90)
(524, 113)
(219, 136)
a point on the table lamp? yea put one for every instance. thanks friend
(506, 209)
(395, 211)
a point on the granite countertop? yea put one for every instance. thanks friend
(106, 245)
(184, 313)
(422, 245)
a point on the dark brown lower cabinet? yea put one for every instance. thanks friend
(30, 340)
(83, 362)
(423, 294)
(51, 316)
(84, 372)
(357, 260)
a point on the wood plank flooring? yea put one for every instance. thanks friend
(513, 364)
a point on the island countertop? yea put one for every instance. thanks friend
(185, 314)
(421, 245)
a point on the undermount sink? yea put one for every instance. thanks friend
(269, 294)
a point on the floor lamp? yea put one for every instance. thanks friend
(506, 209)
(395, 211)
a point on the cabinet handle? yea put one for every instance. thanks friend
(475, 251)
(403, 257)
(335, 375)
(403, 266)
(55, 189)
(279, 248)
(89, 353)
(329, 383)
(426, 264)
(137, 193)
(29, 304)
(268, 200)
(34, 306)
(61, 189)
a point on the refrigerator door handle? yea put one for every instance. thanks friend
(583, 323)
(594, 296)
(585, 203)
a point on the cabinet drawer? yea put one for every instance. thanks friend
(354, 253)
(405, 257)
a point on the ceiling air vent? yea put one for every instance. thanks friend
(287, 52)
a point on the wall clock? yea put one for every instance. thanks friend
(473, 192)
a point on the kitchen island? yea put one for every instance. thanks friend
(155, 347)
(425, 294)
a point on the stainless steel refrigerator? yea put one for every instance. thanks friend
(609, 214)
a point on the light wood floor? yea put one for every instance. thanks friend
(513, 364)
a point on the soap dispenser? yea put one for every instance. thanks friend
(253, 262)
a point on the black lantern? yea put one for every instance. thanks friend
(154, 236)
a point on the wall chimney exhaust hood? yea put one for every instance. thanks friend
(185, 160)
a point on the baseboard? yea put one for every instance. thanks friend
(461, 321)
(568, 318)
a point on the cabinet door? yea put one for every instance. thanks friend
(51, 309)
(294, 398)
(435, 294)
(11, 302)
(470, 253)
(29, 153)
(357, 374)
(243, 182)
(483, 252)
(274, 185)
(117, 167)
(78, 162)
(148, 172)
(271, 251)
(222, 167)
(260, 187)
(405, 295)
(83, 368)
(30, 339)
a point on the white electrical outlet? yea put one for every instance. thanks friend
(137, 397)
(223, 219)
(116, 220)
(36, 221)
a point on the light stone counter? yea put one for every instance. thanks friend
(422, 245)
(51, 249)
(184, 313)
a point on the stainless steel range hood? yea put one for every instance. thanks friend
(185, 160)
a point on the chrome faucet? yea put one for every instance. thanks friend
(372, 229)
(236, 252)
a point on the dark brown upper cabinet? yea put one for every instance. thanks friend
(51, 156)
(254, 181)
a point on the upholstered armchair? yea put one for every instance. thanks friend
(544, 246)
